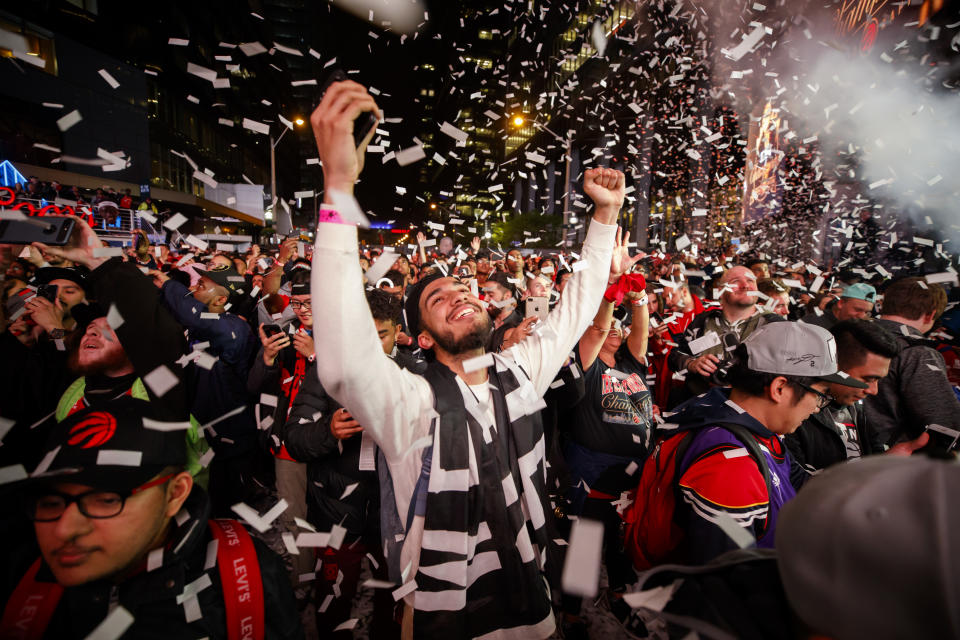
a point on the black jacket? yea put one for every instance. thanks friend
(35, 380)
(333, 465)
(832, 435)
(220, 389)
(151, 596)
(701, 325)
(496, 338)
(271, 381)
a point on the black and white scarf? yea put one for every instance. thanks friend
(485, 536)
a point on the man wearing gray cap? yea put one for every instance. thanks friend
(864, 551)
(726, 450)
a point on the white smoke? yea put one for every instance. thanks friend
(902, 131)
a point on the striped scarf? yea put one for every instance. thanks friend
(485, 536)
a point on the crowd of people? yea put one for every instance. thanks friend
(51, 191)
(212, 444)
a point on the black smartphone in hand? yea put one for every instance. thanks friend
(48, 291)
(271, 330)
(364, 122)
(50, 230)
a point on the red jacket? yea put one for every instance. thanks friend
(661, 349)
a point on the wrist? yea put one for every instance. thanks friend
(338, 183)
(606, 214)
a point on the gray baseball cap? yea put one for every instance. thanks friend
(796, 349)
(869, 549)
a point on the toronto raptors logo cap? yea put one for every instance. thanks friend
(109, 447)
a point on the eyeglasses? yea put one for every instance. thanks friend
(300, 304)
(822, 399)
(98, 504)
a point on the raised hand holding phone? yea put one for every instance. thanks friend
(333, 126)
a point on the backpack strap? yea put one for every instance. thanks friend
(30, 607)
(240, 579)
(753, 448)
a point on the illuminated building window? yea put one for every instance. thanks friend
(25, 44)
(485, 35)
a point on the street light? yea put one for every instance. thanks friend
(518, 120)
(273, 167)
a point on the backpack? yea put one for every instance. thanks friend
(651, 534)
(32, 604)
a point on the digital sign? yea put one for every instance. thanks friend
(8, 199)
(761, 189)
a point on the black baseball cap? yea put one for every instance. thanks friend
(226, 277)
(411, 308)
(111, 447)
(46, 275)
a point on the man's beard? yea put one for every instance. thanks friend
(111, 361)
(494, 312)
(750, 302)
(477, 338)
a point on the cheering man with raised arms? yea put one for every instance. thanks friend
(463, 442)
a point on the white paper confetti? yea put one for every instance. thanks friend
(581, 569)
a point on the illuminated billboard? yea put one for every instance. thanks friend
(761, 194)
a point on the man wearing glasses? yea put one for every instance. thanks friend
(285, 360)
(840, 430)
(732, 469)
(120, 525)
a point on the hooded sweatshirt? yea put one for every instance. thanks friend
(718, 476)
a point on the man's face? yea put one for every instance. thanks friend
(207, 291)
(873, 368)
(99, 348)
(402, 265)
(782, 307)
(798, 407)
(258, 280)
(79, 549)
(514, 261)
(453, 317)
(302, 309)
(494, 292)
(537, 289)
(16, 270)
(761, 270)
(737, 282)
(483, 266)
(675, 299)
(851, 308)
(70, 294)
(562, 281)
(387, 330)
